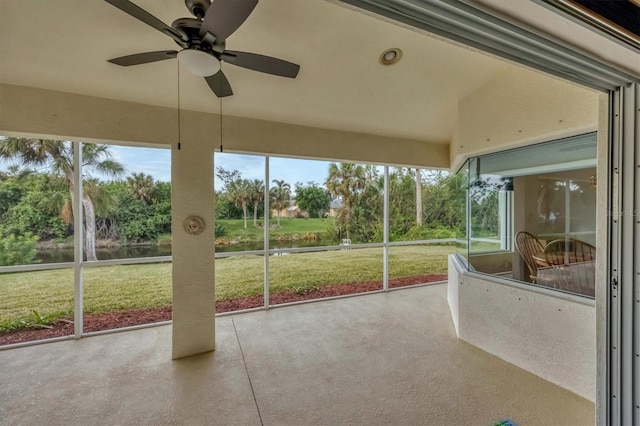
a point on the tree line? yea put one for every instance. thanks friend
(36, 195)
(359, 190)
(37, 191)
(237, 193)
(421, 205)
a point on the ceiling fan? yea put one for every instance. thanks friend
(203, 41)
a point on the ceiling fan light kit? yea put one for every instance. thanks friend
(203, 40)
(198, 62)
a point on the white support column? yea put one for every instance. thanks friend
(385, 221)
(266, 232)
(193, 255)
(78, 240)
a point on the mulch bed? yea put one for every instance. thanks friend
(111, 320)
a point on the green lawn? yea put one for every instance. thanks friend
(234, 228)
(123, 287)
(483, 246)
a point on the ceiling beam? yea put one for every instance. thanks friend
(28, 111)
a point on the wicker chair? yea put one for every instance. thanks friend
(528, 246)
(570, 250)
(572, 265)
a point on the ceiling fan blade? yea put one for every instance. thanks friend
(261, 63)
(219, 84)
(144, 58)
(223, 17)
(142, 15)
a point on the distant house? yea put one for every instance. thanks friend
(294, 211)
(290, 212)
(281, 213)
(334, 206)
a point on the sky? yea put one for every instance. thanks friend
(157, 163)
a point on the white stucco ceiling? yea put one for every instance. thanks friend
(64, 45)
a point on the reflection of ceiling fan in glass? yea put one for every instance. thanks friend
(203, 40)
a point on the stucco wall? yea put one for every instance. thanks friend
(552, 337)
(520, 107)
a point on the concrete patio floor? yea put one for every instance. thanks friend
(376, 359)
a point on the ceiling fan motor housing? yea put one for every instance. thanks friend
(190, 27)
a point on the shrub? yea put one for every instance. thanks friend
(331, 233)
(17, 250)
(164, 240)
(220, 230)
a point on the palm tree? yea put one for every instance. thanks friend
(239, 191)
(58, 157)
(257, 196)
(345, 181)
(14, 171)
(370, 173)
(280, 194)
(141, 186)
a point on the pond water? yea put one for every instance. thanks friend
(57, 255)
(66, 254)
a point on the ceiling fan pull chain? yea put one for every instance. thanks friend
(220, 99)
(179, 126)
